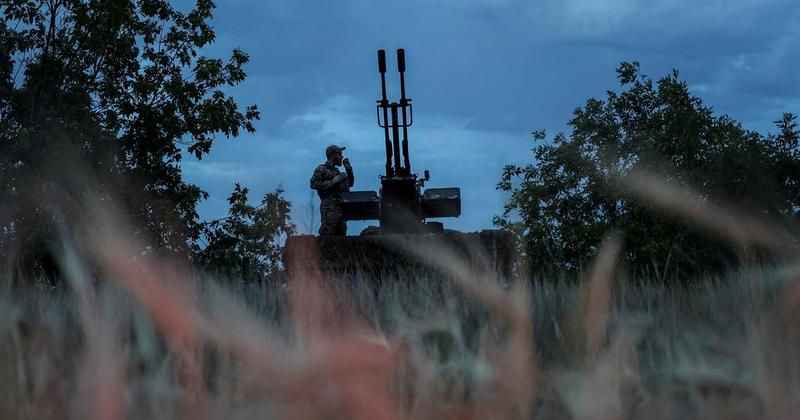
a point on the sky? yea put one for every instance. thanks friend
(482, 74)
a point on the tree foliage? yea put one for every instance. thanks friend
(246, 244)
(104, 95)
(566, 201)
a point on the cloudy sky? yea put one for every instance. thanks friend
(482, 73)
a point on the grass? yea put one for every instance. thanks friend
(149, 344)
(143, 337)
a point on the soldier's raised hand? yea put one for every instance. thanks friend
(346, 162)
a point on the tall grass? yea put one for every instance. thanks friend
(135, 336)
(145, 343)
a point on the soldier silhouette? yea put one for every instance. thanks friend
(330, 183)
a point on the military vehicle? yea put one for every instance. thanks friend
(402, 209)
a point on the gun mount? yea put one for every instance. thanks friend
(401, 206)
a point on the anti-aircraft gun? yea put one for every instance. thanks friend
(402, 208)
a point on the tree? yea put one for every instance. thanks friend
(246, 244)
(564, 203)
(102, 96)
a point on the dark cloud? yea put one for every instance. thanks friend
(482, 74)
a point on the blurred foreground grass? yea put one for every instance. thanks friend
(155, 343)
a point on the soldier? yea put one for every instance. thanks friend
(330, 183)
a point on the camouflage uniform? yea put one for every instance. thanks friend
(330, 194)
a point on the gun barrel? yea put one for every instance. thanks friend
(382, 61)
(384, 105)
(396, 137)
(382, 70)
(401, 60)
(401, 66)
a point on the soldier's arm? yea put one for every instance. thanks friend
(321, 180)
(351, 179)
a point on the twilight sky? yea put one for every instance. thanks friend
(482, 73)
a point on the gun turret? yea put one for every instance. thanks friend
(401, 206)
(404, 109)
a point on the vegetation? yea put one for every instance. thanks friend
(147, 346)
(573, 194)
(244, 244)
(102, 99)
